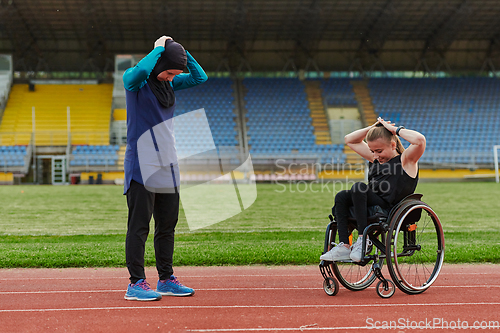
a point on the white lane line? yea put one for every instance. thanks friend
(210, 276)
(305, 306)
(59, 292)
(120, 290)
(213, 289)
(183, 276)
(282, 329)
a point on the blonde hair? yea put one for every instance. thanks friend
(379, 131)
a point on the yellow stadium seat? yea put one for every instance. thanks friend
(119, 114)
(90, 114)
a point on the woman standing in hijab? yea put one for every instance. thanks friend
(150, 97)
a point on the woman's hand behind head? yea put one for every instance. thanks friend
(161, 41)
(387, 124)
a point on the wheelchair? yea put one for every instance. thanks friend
(408, 239)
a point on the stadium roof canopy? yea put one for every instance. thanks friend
(260, 35)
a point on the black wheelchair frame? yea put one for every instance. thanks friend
(403, 238)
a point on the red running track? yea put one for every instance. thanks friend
(242, 299)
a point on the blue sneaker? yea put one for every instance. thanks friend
(172, 287)
(141, 291)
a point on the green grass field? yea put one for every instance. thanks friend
(85, 226)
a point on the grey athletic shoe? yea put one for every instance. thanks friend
(339, 252)
(356, 254)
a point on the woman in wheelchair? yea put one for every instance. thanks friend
(393, 174)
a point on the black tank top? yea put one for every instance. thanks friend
(390, 181)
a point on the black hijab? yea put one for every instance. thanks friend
(174, 57)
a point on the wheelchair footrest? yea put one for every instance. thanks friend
(330, 285)
(325, 270)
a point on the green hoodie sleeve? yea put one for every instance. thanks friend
(195, 76)
(135, 77)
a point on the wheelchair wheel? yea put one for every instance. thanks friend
(415, 247)
(357, 277)
(330, 286)
(386, 292)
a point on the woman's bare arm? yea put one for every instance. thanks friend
(411, 155)
(355, 141)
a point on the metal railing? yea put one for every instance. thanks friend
(340, 128)
(93, 163)
(89, 138)
(53, 138)
(15, 138)
(464, 159)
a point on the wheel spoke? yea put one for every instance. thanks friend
(354, 276)
(414, 271)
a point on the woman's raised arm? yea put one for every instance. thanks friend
(355, 141)
(412, 154)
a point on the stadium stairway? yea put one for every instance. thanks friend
(121, 157)
(360, 88)
(119, 126)
(321, 130)
(120, 114)
(280, 124)
(368, 116)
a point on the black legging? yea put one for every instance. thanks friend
(360, 196)
(165, 209)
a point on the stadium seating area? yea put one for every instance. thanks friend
(459, 117)
(216, 96)
(90, 109)
(94, 155)
(12, 156)
(279, 121)
(338, 92)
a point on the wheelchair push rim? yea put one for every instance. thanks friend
(416, 248)
(356, 277)
(352, 276)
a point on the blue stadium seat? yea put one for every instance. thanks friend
(279, 120)
(216, 97)
(455, 114)
(338, 92)
(94, 155)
